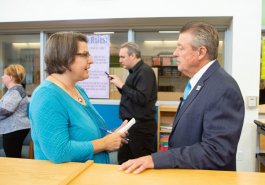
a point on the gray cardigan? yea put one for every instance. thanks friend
(13, 110)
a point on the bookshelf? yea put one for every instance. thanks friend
(166, 115)
(170, 79)
(260, 155)
(167, 66)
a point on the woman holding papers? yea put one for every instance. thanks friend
(65, 125)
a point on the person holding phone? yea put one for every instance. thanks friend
(65, 125)
(138, 98)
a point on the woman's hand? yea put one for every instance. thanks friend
(122, 125)
(110, 142)
(114, 141)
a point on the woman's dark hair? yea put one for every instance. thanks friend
(61, 49)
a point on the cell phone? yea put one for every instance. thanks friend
(108, 75)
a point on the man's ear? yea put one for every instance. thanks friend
(202, 51)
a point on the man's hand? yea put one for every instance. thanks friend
(137, 165)
(116, 81)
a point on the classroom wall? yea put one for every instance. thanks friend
(242, 37)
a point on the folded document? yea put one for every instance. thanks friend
(127, 126)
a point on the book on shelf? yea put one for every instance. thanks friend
(165, 128)
(166, 61)
(163, 144)
(163, 140)
(156, 61)
(164, 137)
(163, 148)
(174, 61)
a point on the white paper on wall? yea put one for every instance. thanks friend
(97, 85)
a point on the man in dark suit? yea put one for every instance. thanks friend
(208, 123)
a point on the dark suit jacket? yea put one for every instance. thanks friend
(207, 127)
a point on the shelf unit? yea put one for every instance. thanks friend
(260, 155)
(166, 115)
(171, 82)
(167, 72)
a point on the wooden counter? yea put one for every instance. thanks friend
(28, 171)
(109, 174)
(14, 171)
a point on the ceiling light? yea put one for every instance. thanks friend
(103, 33)
(161, 41)
(168, 31)
(26, 44)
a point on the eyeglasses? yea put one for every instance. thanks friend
(86, 54)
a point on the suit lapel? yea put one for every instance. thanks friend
(187, 102)
(195, 91)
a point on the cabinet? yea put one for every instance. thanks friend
(260, 155)
(166, 115)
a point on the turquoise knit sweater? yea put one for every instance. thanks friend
(62, 129)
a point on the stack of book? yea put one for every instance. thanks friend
(163, 142)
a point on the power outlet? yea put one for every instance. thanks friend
(252, 101)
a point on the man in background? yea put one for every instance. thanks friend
(209, 120)
(138, 98)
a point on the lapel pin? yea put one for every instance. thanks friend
(198, 88)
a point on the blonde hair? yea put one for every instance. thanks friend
(17, 71)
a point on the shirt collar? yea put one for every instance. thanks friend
(198, 75)
(136, 66)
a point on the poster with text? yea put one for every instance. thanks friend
(97, 85)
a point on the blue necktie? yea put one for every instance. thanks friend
(186, 91)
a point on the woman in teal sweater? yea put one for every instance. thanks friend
(65, 125)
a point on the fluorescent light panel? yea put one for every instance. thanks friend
(26, 44)
(103, 33)
(160, 41)
(168, 31)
